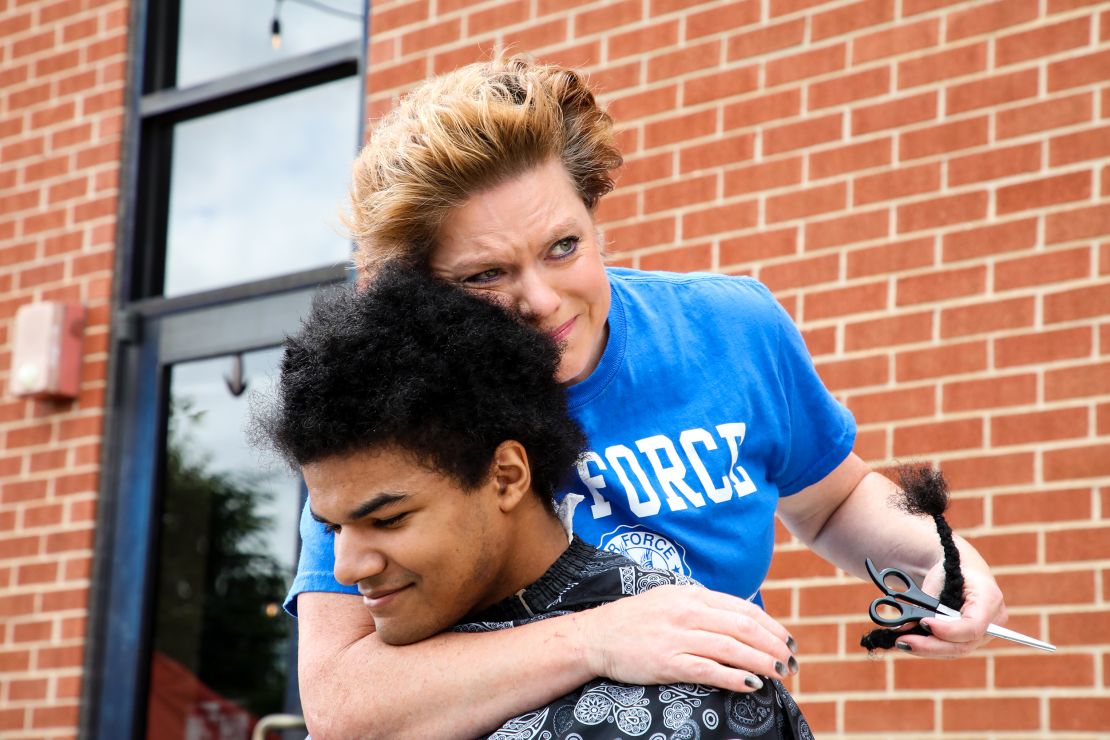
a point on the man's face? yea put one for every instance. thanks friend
(423, 552)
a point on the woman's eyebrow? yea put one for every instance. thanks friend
(566, 227)
(470, 264)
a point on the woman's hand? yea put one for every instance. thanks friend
(847, 517)
(983, 605)
(686, 634)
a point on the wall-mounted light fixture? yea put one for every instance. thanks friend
(46, 350)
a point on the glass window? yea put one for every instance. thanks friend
(230, 184)
(227, 554)
(256, 191)
(218, 38)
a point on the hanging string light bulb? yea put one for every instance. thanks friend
(275, 23)
(275, 26)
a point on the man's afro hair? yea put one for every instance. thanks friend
(412, 362)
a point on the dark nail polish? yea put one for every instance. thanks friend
(790, 643)
(927, 628)
(753, 683)
(904, 647)
(793, 665)
(780, 668)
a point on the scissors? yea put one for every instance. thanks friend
(904, 603)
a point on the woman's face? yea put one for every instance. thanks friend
(531, 243)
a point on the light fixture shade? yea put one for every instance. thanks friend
(46, 350)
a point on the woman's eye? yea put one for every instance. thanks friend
(392, 521)
(564, 247)
(484, 276)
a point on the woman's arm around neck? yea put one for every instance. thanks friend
(463, 685)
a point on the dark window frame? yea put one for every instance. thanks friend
(160, 110)
(114, 691)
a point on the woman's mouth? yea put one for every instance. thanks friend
(561, 332)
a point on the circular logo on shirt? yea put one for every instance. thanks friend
(647, 548)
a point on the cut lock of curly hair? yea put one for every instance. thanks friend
(464, 132)
(413, 363)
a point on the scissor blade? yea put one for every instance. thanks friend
(948, 611)
(1006, 634)
(995, 631)
(874, 573)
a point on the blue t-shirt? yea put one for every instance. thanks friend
(704, 409)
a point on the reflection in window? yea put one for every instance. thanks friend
(227, 555)
(256, 191)
(218, 38)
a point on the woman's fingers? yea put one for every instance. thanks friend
(731, 652)
(711, 673)
(951, 637)
(747, 636)
(687, 634)
(934, 647)
(727, 603)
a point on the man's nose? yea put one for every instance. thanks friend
(538, 299)
(356, 559)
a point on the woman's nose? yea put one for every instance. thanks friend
(538, 298)
(356, 559)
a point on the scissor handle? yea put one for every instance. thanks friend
(906, 589)
(906, 613)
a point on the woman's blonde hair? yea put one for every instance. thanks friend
(466, 131)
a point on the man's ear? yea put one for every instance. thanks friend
(511, 474)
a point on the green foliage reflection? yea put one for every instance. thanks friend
(219, 591)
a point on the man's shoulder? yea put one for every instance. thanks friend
(597, 577)
(619, 575)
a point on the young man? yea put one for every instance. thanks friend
(432, 434)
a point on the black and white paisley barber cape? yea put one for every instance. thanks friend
(585, 577)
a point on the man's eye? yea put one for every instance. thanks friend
(392, 521)
(564, 247)
(332, 528)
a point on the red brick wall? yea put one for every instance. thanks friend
(62, 69)
(924, 184)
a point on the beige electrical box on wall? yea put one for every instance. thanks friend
(46, 350)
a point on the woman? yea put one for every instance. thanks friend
(704, 414)
(442, 506)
